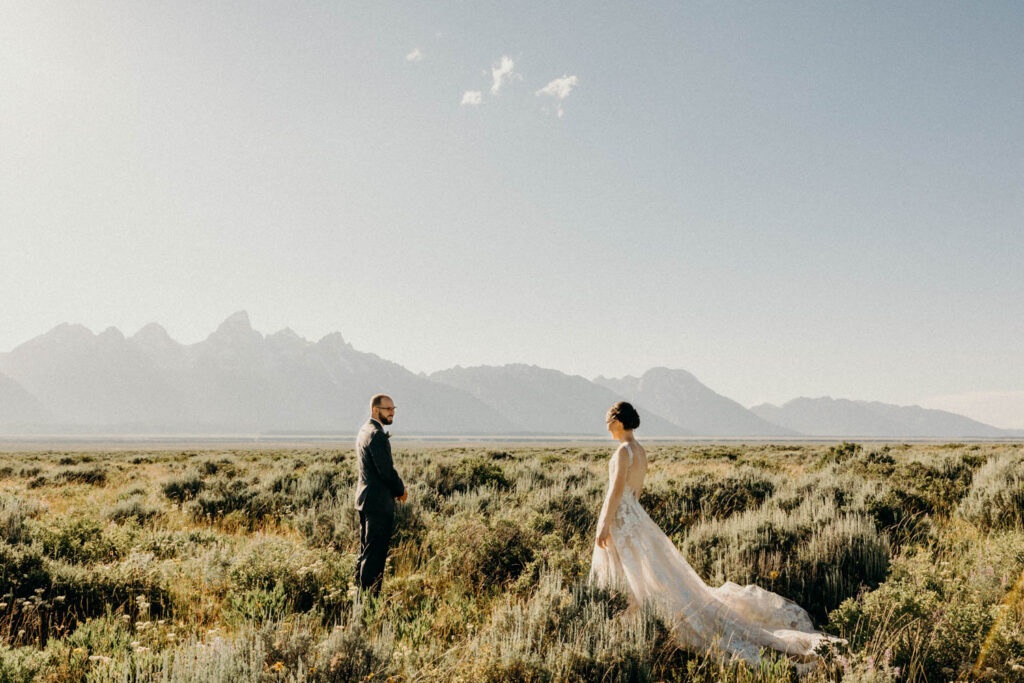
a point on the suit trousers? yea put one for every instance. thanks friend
(374, 542)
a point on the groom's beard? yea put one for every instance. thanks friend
(385, 420)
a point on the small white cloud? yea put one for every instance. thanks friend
(414, 56)
(502, 73)
(473, 97)
(559, 89)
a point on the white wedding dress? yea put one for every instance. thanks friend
(642, 560)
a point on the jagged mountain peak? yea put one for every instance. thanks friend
(69, 331)
(237, 320)
(662, 371)
(111, 334)
(334, 341)
(152, 333)
(682, 398)
(152, 330)
(236, 328)
(287, 340)
(286, 333)
(544, 400)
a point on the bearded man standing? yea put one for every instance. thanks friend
(377, 489)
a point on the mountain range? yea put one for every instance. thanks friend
(240, 381)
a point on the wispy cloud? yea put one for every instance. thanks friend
(414, 56)
(502, 73)
(559, 89)
(472, 97)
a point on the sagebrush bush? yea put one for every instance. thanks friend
(308, 578)
(13, 513)
(464, 475)
(78, 539)
(21, 664)
(485, 555)
(351, 653)
(95, 476)
(813, 555)
(332, 522)
(674, 506)
(936, 609)
(996, 497)
(933, 487)
(182, 488)
(573, 514)
(568, 633)
(132, 509)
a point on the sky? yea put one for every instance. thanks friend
(786, 199)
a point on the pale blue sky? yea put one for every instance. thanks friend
(783, 198)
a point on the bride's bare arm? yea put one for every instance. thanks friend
(616, 485)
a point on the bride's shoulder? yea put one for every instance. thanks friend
(622, 453)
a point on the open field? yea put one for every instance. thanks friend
(234, 564)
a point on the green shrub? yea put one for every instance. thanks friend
(485, 555)
(21, 664)
(840, 453)
(930, 619)
(304, 488)
(212, 660)
(328, 523)
(256, 605)
(573, 515)
(132, 509)
(183, 488)
(91, 591)
(79, 539)
(813, 555)
(350, 653)
(13, 513)
(675, 506)
(94, 476)
(575, 633)
(309, 579)
(932, 488)
(467, 474)
(503, 554)
(225, 496)
(996, 497)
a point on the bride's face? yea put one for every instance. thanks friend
(615, 428)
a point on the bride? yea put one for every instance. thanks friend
(632, 552)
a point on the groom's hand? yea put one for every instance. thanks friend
(404, 497)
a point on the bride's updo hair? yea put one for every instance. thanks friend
(624, 413)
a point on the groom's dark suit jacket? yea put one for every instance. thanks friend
(378, 484)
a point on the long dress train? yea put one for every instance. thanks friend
(741, 620)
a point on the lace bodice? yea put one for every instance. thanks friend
(629, 514)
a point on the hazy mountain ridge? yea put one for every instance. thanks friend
(19, 408)
(832, 417)
(238, 380)
(683, 399)
(547, 401)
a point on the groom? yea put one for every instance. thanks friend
(378, 487)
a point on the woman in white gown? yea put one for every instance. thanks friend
(633, 553)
